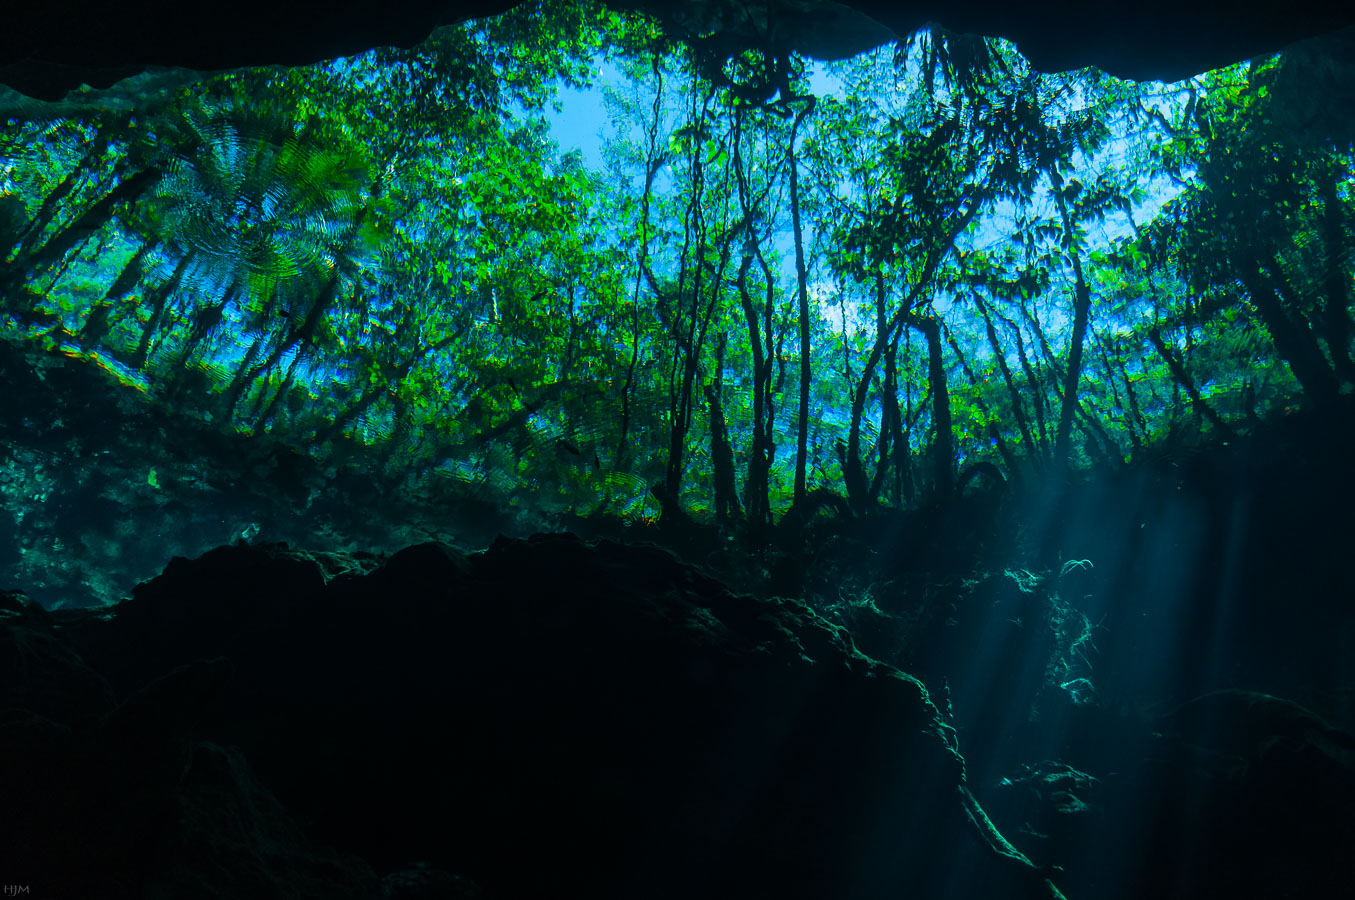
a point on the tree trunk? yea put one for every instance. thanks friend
(891, 431)
(891, 419)
(46, 212)
(288, 382)
(303, 334)
(994, 432)
(1129, 403)
(802, 279)
(81, 229)
(101, 317)
(1183, 378)
(1082, 304)
(1014, 395)
(1336, 323)
(159, 299)
(1036, 387)
(1293, 341)
(688, 357)
(654, 161)
(722, 455)
(857, 489)
(207, 320)
(943, 441)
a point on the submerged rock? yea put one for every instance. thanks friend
(547, 718)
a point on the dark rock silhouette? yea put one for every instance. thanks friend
(557, 718)
(549, 718)
(49, 49)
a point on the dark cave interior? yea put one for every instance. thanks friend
(1141, 684)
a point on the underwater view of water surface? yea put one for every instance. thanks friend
(593, 453)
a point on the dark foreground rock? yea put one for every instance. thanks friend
(545, 719)
(551, 718)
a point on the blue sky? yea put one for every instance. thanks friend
(583, 117)
(582, 121)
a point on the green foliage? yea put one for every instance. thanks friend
(389, 256)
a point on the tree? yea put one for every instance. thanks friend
(1264, 212)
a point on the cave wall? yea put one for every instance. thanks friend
(50, 48)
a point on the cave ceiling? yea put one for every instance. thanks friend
(50, 48)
